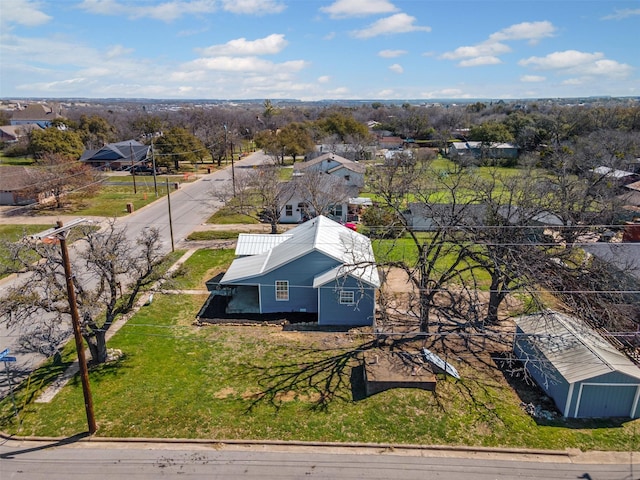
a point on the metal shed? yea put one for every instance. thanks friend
(582, 373)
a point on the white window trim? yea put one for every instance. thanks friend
(347, 297)
(282, 286)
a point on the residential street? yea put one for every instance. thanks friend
(97, 459)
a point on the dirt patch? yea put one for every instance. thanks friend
(224, 393)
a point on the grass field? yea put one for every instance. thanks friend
(176, 379)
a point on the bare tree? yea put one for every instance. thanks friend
(407, 187)
(58, 175)
(322, 192)
(259, 194)
(109, 274)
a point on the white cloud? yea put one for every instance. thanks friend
(253, 7)
(387, 93)
(391, 53)
(532, 78)
(397, 68)
(574, 62)
(243, 64)
(486, 52)
(338, 92)
(532, 31)
(165, 11)
(23, 12)
(269, 45)
(573, 81)
(171, 10)
(118, 51)
(446, 93)
(398, 23)
(479, 50)
(479, 61)
(324, 79)
(358, 8)
(622, 14)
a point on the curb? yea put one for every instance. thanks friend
(85, 437)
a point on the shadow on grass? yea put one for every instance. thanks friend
(318, 380)
(27, 386)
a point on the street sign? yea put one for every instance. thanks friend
(4, 353)
(9, 359)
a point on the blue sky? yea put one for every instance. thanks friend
(319, 49)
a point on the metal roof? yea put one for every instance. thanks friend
(318, 234)
(576, 351)
(611, 172)
(257, 243)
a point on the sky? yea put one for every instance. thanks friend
(319, 49)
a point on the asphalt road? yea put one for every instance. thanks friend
(98, 460)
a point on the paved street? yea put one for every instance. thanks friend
(96, 460)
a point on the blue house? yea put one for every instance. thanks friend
(319, 267)
(118, 156)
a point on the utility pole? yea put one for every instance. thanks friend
(153, 165)
(133, 169)
(173, 249)
(60, 233)
(233, 172)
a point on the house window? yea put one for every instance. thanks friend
(336, 211)
(347, 178)
(282, 290)
(347, 297)
(288, 210)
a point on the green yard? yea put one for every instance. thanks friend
(176, 379)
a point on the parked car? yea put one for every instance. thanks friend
(142, 170)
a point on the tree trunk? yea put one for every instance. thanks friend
(495, 299)
(97, 343)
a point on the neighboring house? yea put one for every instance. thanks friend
(392, 154)
(318, 267)
(34, 113)
(327, 196)
(427, 217)
(625, 257)
(619, 177)
(117, 156)
(480, 150)
(517, 216)
(389, 142)
(352, 173)
(18, 186)
(583, 374)
(347, 150)
(630, 200)
(13, 133)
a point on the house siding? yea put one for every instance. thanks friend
(300, 274)
(611, 395)
(544, 373)
(334, 314)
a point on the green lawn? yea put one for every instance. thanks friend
(111, 201)
(12, 233)
(238, 382)
(20, 161)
